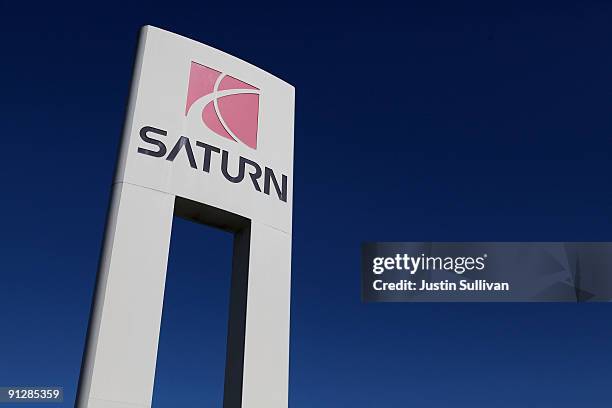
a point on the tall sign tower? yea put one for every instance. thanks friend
(207, 137)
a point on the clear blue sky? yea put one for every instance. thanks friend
(432, 120)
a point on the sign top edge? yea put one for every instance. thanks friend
(146, 28)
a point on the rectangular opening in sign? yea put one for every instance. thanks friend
(201, 343)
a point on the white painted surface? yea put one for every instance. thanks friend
(122, 349)
(266, 357)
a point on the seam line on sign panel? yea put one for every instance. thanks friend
(271, 226)
(164, 192)
(138, 185)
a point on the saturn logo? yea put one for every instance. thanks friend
(228, 106)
